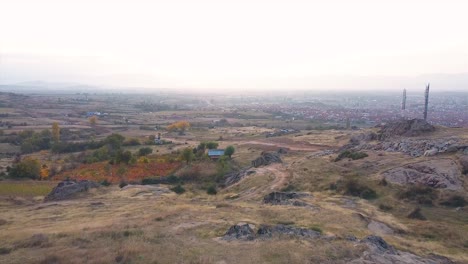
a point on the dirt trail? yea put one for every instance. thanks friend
(280, 178)
(298, 146)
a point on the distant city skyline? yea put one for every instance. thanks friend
(213, 45)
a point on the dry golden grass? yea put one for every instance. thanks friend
(112, 225)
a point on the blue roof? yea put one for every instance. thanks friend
(215, 152)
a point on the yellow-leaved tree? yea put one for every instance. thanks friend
(179, 126)
(56, 132)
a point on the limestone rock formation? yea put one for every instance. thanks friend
(267, 158)
(69, 188)
(408, 128)
(240, 231)
(285, 198)
(442, 173)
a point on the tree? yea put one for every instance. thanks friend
(229, 151)
(211, 145)
(145, 151)
(187, 155)
(44, 172)
(56, 132)
(179, 126)
(93, 120)
(114, 142)
(27, 168)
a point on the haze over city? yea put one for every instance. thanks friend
(230, 45)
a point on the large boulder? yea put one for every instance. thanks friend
(240, 232)
(381, 252)
(442, 173)
(69, 188)
(408, 128)
(267, 158)
(285, 198)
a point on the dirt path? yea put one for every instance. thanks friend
(277, 173)
(292, 146)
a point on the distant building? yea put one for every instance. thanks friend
(214, 154)
(89, 114)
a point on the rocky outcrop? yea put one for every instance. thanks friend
(69, 188)
(414, 147)
(267, 158)
(240, 232)
(285, 198)
(267, 231)
(408, 128)
(236, 176)
(442, 173)
(381, 252)
(246, 232)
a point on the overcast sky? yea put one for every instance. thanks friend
(227, 44)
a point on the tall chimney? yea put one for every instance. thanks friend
(426, 101)
(403, 100)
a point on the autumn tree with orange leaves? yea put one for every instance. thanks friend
(179, 126)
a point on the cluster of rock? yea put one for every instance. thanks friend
(285, 198)
(378, 250)
(381, 252)
(236, 176)
(69, 188)
(416, 148)
(443, 173)
(267, 158)
(396, 137)
(408, 128)
(246, 232)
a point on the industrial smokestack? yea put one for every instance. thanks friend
(426, 101)
(403, 100)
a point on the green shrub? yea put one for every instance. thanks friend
(178, 189)
(385, 207)
(351, 154)
(421, 194)
(454, 201)
(211, 190)
(416, 214)
(145, 151)
(105, 183)
(355, 188)
(317, 229)
(27, 168)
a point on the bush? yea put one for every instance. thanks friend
(132, 142)
(351, 154)
(106, 183)
(416, 214)
(211, 190)
(27, 168)
(454, 201)
(385, 207)
(354, 188)
(122, 184)
(145, 151)
(178, 189)
(317, 229)
(421, 194)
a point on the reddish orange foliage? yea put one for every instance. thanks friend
(115, 173)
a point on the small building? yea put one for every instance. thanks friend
(214, 154)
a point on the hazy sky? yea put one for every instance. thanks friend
(227, 44)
